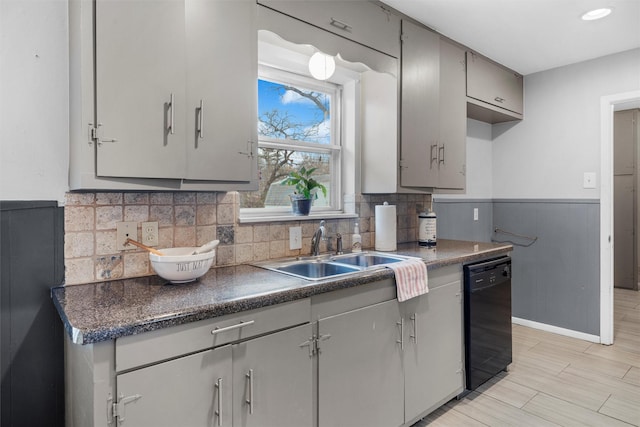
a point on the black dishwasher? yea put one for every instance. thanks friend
(487, 319)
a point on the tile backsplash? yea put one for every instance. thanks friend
(192, 219)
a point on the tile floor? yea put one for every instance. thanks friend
(559, 381)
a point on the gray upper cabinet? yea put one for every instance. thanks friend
(433, 121)
(172, 100)
(221, 89)
(139, 70)
(363, 22)
(495, 93)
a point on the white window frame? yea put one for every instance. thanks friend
(334, 150)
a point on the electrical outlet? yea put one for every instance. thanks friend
(126, 230)
(150, 233)
(475, 214)
(295, 238)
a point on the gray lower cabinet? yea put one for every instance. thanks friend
(360, 378)
(272, 380)
(433, 349)
(190, 391)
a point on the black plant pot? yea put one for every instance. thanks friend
(299, 205)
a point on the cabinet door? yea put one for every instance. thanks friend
(433, 348)
(360, 379)
(420, 109)
(140, 68)
(453, 117)
(190, 391)
(360, 21)
(222, 89)
(491, 83)
(272, 380)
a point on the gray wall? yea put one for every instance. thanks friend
(556, 280)
(455, 219)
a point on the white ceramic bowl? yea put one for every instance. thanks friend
(177, 265)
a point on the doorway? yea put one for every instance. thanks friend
(626, 140)
(609, 104)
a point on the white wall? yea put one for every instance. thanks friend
(34, 100)
(545, 155)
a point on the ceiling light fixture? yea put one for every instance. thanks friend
(321, 66)
(596, 14)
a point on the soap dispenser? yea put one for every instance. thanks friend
(356, 239)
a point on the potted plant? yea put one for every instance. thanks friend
(306, 190)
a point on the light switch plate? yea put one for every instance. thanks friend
(295, 238)
(589, 180)
(124, 230)
(475, 214)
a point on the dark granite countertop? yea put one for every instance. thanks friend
(102, 311)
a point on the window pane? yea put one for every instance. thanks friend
(274, 165)
(291, 112)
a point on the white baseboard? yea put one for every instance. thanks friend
(556, 330)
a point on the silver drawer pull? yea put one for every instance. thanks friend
(498, 99)
(341, 25)
(232, 327)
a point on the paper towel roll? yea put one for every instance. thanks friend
(385, 227)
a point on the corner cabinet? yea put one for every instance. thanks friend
(433, 120)
(164, 95)
(495, 93)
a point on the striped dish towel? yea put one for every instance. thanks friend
(411, 278)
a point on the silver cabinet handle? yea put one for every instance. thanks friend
(414, 318)
(498, 99)
(218, 411)
(401, 340)
(441, 149)
(171, 114)
(433, 158)
(341, 25)
(232, 327)
(201, 120)
(249, 401)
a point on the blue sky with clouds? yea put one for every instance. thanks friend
(302, 110)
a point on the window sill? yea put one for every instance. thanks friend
(315, 216)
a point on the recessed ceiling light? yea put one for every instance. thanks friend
(596, 14)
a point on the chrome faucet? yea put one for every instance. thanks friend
(315, 240)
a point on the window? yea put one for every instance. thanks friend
(298, 125)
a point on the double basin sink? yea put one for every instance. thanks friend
(322, 267)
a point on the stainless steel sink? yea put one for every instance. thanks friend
(315, 270)
(367, 259)
(326, 266)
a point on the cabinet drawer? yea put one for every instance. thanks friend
(362, 22)
(494, 84)
(151, 347)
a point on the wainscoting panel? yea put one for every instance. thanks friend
(556, 279)
(31, 350)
